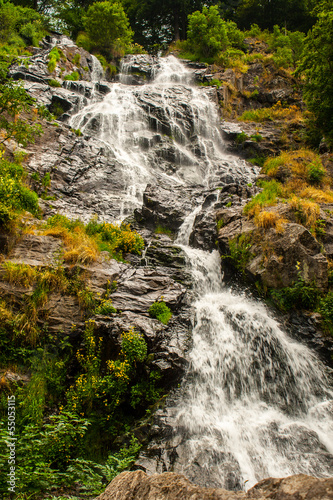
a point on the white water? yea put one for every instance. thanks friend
(133, 120)
(97, 72)
(251, 393)
(254, 403)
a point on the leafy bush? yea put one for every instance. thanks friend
(208, 34)
(326, 310)
(15, 196)
(160, 311)
(17, 21)
(54, 56)
(74, 76)
(240, 250)
(315, 66)
(13, 101)
(301, 295)
(115, 238)
(84, 41)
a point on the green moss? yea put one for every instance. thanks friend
(54, 56)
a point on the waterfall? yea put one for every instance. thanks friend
(254, 403)
(165, 131)
(97, 71)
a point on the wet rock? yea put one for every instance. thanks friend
(141, 65)
(140, 288)
(165, 207)
(63, 313)
(204, 234)
(8, 378)
(35, 68)
(170, 486)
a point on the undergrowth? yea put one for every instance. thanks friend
(83, 243)
(299, 180)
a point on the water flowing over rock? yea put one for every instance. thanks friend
(254, 402)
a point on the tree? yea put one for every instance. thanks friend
(107, 27)
(317, 67)
(157, 22)
(206, 32)
(293, 14)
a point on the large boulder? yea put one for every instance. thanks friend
(169, 486)
(274, 259)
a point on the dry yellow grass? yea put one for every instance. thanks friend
(268, 220)
(308, 210)
(79, 246)
(317, 195)
(19, 274)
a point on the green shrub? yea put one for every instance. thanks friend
(54, 56)
(116, 34)
(54, 83)
(160, 311)
(326, 310)
(84, 41)
(133, 347)
(256, 137)
(76, 59)
(315, 172)
(240, 250)
(74, 76)
(15, 195)
(105, 308)
(301, 295)
(242, 137)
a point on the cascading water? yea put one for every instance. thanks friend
(165, 131)
(97, 72)
(254, 403)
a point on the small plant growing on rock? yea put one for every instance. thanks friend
(242, 137)
(54, 83)
(160, 311)
(315, 172)
(105, 308)
(268, 220)
(54, 56)
(74, 76)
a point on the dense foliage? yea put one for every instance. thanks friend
(316, 66)
(116, 34)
